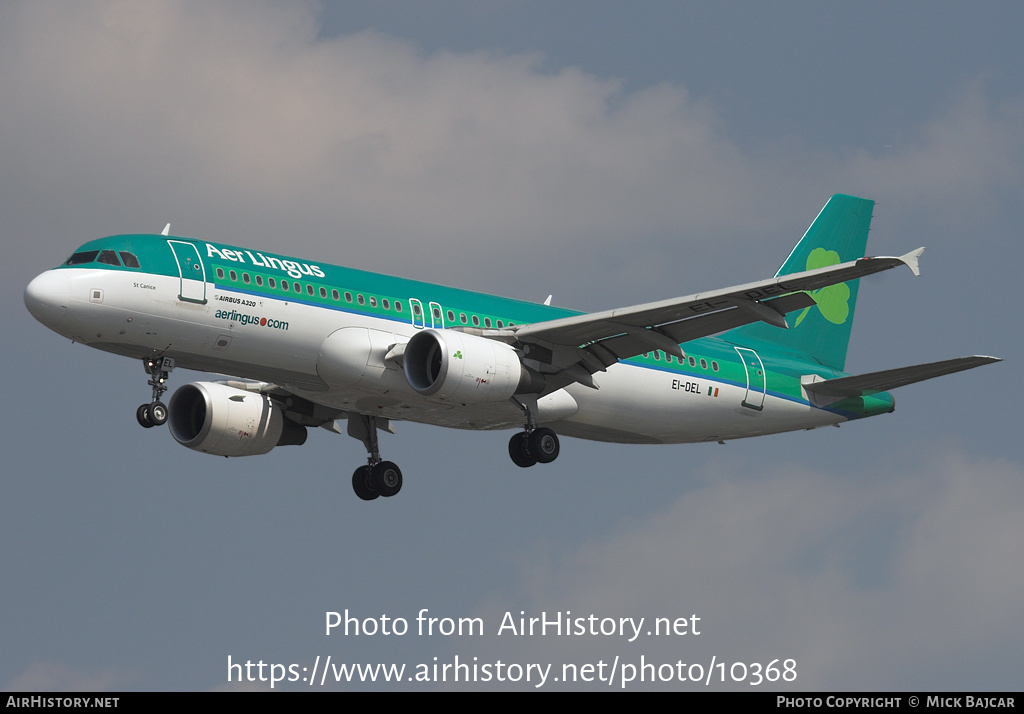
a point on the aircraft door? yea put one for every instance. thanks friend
(436, 316)
(756, 383)
(190, 270)
(416, 308)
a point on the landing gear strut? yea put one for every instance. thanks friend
(378, 477)
(535, 445)
(155, 413)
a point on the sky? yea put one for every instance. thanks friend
(606, 153)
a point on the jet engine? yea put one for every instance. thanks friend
(457, 367)
(225, 421)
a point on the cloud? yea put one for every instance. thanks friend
(963, 158)
(886, 578)
(246, 101)
(236, 120)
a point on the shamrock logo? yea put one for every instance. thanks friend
(458, 354)
(831, 300)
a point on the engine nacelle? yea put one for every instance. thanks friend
(221, 420)
(456, 367)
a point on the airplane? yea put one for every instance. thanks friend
(312, 345)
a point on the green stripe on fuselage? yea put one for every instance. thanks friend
(784, 368)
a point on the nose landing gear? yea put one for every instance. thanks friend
(155, 413)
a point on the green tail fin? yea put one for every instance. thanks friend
(839, 234)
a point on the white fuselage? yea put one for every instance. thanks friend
(280, 341)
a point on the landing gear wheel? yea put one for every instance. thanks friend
(362, 483)
(543, 445)
(158, 413)
(519, 450)
(142, 414)
(387, 478)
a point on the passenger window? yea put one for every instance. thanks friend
(476, 320)
(451, 316)
(487, 322)
(386, 304)
(309, 289)
(284, 285)
(234, 276)
(348, 297)
(130, 261)
(361, 299)
(703, 363)
(271, 282)
(108, 257)
(259, 280)
(245, 278)
(335, 296)
(323, 292)
(373, 301)
(220, 273)
(398, 306)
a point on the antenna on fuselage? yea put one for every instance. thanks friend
(166, 231)
(548, 301)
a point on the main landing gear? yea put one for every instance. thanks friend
(155, 413)
(378, 477)
(539, 446)
(535, 445)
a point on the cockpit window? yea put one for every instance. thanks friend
(86, 256)
(130, 261)
(108, 257)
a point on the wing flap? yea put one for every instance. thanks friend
(686, 330)
(632, 341)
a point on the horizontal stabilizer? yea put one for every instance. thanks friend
(865, 384)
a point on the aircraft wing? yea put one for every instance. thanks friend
(861, 385)
(576, 347)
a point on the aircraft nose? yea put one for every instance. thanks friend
(47, 297)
